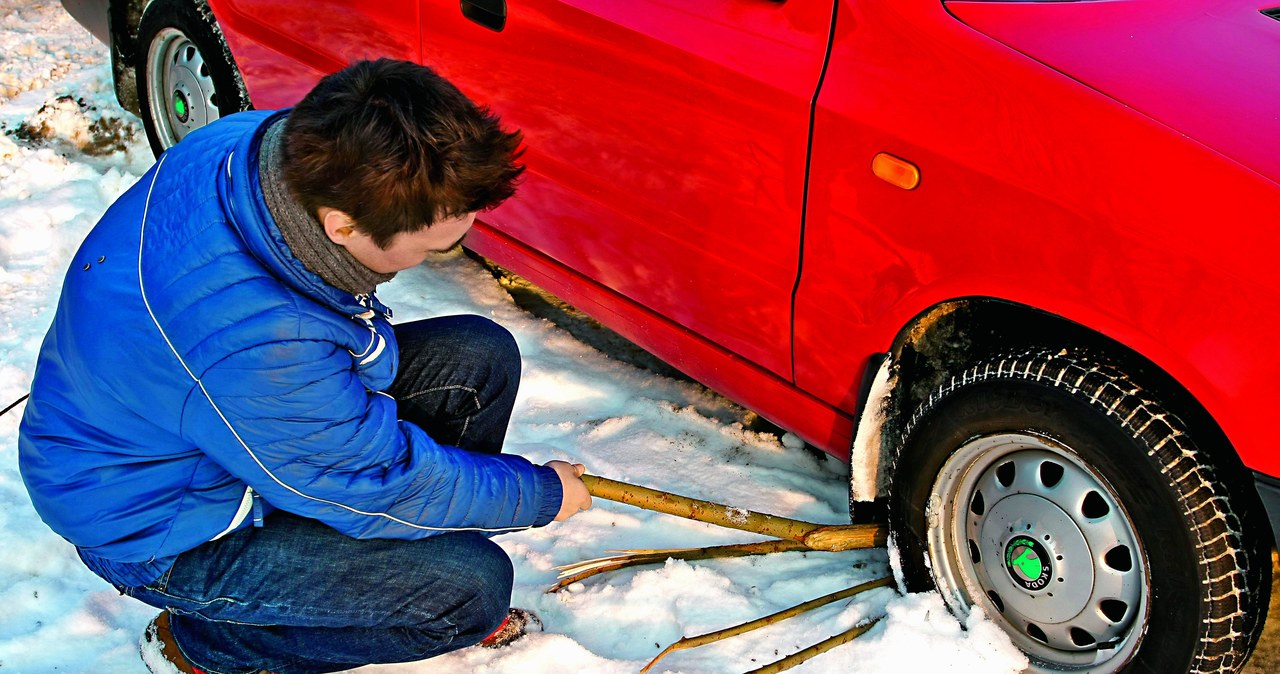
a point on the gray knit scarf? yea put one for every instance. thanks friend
(302, 231)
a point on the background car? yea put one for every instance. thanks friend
(1015, 259)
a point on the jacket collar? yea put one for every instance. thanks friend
(241, 192)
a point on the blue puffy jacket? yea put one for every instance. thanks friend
(195, 372)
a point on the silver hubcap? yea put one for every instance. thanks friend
(180, 87)
(1020, 525)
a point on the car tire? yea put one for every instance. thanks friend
(186, 75)
(1060, 497)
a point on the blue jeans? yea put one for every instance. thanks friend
(295, 596)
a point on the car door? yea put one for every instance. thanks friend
(666, 145)
(285, 46)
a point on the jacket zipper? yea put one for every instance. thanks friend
(366, 300)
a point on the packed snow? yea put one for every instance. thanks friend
(67, 150)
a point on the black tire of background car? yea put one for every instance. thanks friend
(1208, 572)
(194, 20)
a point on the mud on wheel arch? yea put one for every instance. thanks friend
(1075, 493)
(174, 68)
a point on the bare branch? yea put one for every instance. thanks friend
(719, 635)
(830, 538)
(816, 649)
(573, 573)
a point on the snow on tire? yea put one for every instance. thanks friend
(1079, 513)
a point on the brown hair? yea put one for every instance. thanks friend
(396, 147)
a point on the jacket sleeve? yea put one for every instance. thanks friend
(294, 422)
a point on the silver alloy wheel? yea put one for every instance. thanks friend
(1021, 526)
(180, 86)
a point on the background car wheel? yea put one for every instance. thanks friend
(186, 76)
(1057, 495)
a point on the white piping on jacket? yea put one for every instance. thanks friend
(373, 339)
(382, 344)
(143, 291)
(376, 344)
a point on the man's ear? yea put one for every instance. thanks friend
(338, 226)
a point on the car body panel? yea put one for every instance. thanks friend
(698, 100)
(666, 146)
(1206, 68)
(816, 422)
(283, 48)
(1112, 163)
(92, 14)
(1048, 194)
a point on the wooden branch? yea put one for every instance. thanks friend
(573, 573)
(816, 649)
(829, 538)
(719, 635)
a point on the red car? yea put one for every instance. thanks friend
(1019, 256)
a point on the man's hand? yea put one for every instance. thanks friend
(576, 497)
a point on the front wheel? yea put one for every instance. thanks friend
(186, 76)
(1079, 514)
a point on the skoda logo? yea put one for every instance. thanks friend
(1028, 563)
(181, 107)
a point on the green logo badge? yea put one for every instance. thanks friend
(180, 107)
(1028, 562)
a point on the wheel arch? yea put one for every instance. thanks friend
(959, 345)
(123, 17)
(950, 335)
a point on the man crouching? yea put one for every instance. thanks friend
(226, 425)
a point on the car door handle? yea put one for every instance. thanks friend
(491, 14)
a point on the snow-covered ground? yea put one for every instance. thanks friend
(67, 150)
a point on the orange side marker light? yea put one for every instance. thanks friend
(896, 171)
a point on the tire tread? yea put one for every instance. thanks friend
(1233, 588)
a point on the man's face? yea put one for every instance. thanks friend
(408, 249)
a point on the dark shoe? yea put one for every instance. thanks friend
(516, 625)
(160, 652)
